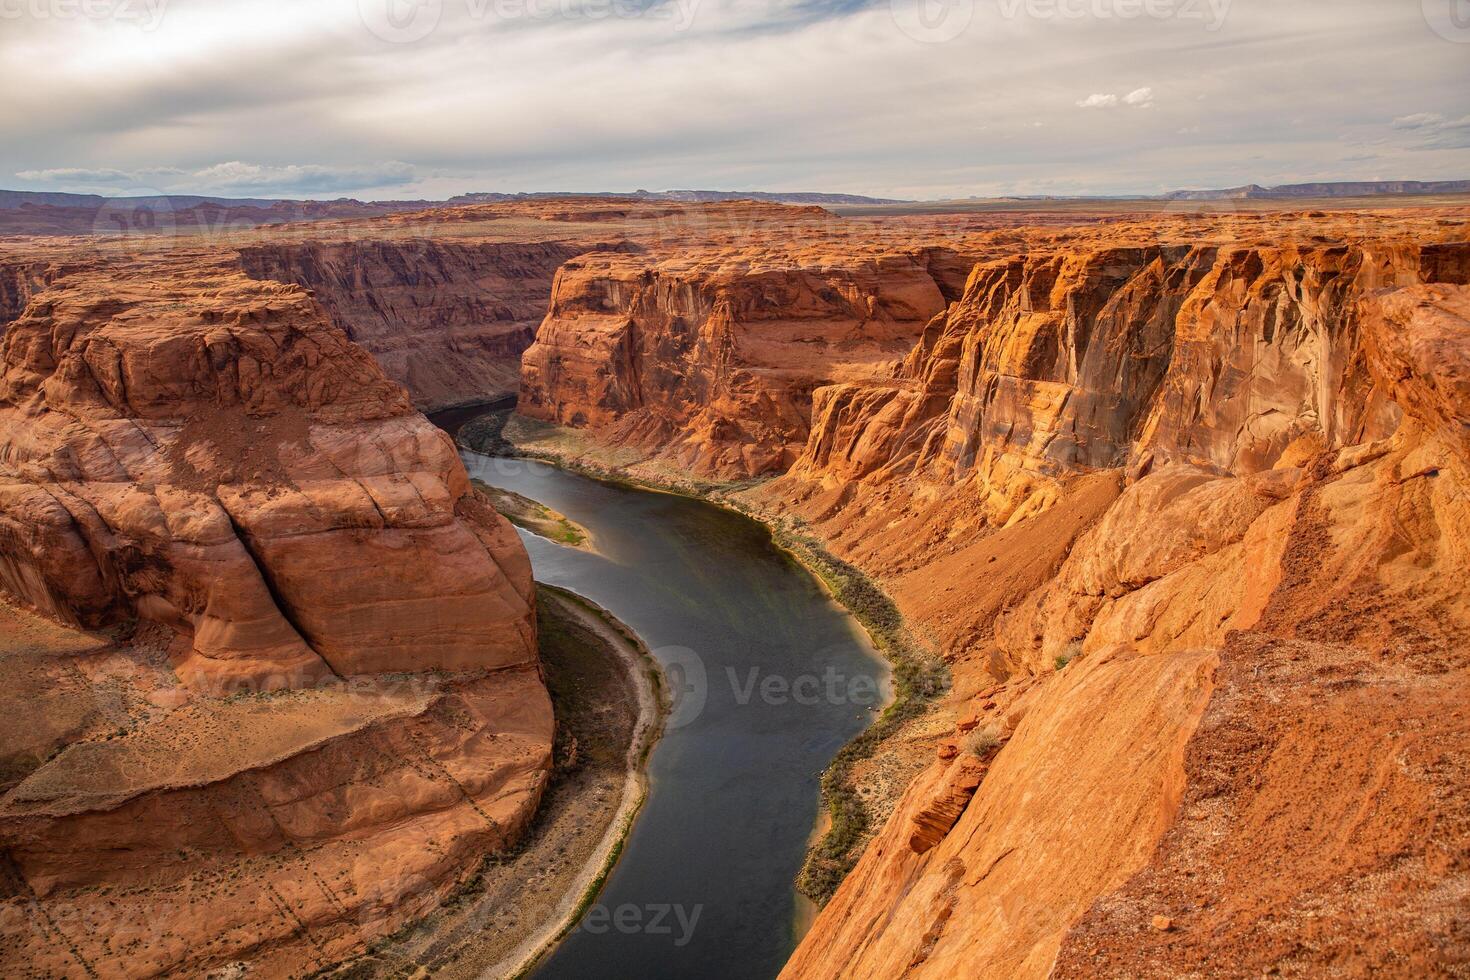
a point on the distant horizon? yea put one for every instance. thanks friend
(690, 189)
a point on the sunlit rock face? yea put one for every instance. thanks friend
(277, 689)
(710, 363)
(1227, 702)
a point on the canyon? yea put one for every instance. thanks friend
(218, 698)
(1177, 498)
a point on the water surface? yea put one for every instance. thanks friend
(772, 678)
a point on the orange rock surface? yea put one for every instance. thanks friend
(711, 362)
(1283, 566)
(287, 690)
(1180, 500)
(1179, 497)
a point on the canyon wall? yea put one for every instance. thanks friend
(20, 279)
(1223, 358)
(1181, 503)
(297, 651)
(449, 320)
(1235, 730)
(1186, 732)
(710, 362)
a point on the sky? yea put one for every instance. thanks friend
(915, 99)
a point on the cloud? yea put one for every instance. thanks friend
(1418, 120)
(234, 177)
(283, 98)
(304, 178)
(1140, 98)
(1434, 132)
(75, 175)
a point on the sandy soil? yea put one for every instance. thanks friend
(609, 709)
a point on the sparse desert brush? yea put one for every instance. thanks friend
(1071, 653)
(982, 743)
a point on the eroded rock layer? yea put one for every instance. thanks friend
(298, 654)
(711, 363)
(1210, 757)
(449, 320)
(1181, 501)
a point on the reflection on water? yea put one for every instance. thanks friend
(771, 679)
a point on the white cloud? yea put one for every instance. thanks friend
(1141, 98)
(304, 178)
(1418, 120)
(75, 175)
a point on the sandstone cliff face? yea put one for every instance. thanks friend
(1276, 704)
(1181, 504)
(449, 320)
(1052, 364)
(1237, 633)
(19, 281)
(710, 363)
(1228, 359)
(216, 456)
(331, 704)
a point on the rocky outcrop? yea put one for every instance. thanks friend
(449, 320)
(305, 697)
(1057, 819)
(1239, 628)
(1295, 798)
(216, 456)
(710, 363)
(1225, 359)
(20, 279)
(289, 831)
(1060, 363)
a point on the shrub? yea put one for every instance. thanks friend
(982, 743)
(1073, 651)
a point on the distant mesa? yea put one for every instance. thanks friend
(691, 197)
(1338, 188)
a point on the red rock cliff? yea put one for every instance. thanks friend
(221, 495)
(448, 320)
(1219, 723)
(710, 362)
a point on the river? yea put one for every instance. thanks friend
(771, 678)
